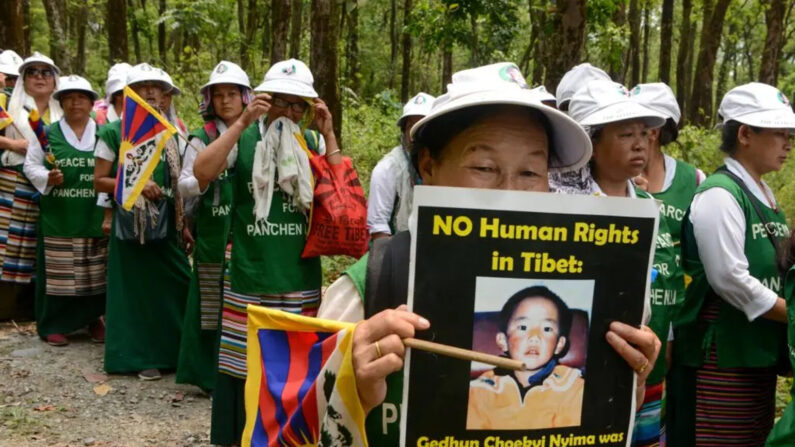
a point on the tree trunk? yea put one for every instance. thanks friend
(683, 53)
(80, 63)
(296, 27)
(353, 46)
(566, 41)
(447, 66)
(59, 41)
(701, 98)
(241, 27)
(634, 41)
(136, 41)
(392, 42)
(406, 72)
(475, 47)
(646, 31)
(12, 23)
(251, 29)
(539, 21)
(774, 17)
(323, 58)
(280, 23)
(161, 33)
(666, 36)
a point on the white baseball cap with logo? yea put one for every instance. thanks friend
(10, 62)
(575, 79)
(419, 105)
(603, 102)
(146, 73)
(503, 84)
(117, 78)
(291, 77)
(38, 58)
(659, 97)
(227, 73)
(74, 83)
(759, 105)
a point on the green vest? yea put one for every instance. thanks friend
(666, 292)
(70, 209)
(739, 343)
(383, 423)
(213, 215)
(783, 433)
(111, 135)
(676, 199)
(266, 256)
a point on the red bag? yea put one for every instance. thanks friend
(338, 221)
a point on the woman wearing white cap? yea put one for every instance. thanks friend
(730, 334)
(620, 127)
(393, 178)
(9, 73)
(517, 128)
(147, 280)
(72, 251)
(18, 233)
(269, 219)
(109, 108)
(225, 97)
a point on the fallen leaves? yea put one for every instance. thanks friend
(94, 377)
(102, 389)
(47, 407)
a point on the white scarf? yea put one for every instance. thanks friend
(17, 109)
(280, 150)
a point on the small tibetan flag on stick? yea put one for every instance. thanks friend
(5, 118)
(140, 149)
(40, 129)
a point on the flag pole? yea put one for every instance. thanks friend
(465, 354)
(187, 141)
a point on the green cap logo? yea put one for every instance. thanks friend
(511, 73)
(221, 68)
(289, 70)
(783, 98)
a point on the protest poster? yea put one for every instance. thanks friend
(536, 277)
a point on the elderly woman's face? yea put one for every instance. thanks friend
(76, 105)
(506, 150)
(39, 80)
(622, 150)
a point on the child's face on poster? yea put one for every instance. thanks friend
(533, 335)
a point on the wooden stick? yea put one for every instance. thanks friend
(464, 354)
(188, 142)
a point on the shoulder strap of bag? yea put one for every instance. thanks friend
(770, 233)
(386, 286)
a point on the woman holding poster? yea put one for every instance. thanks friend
(731, 333)
(488, 131)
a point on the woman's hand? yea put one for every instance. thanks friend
(255, 109)
(187, 240)
(638, 347)
(151, 191)
(323, 119)
(54, 177)
(106, 221)
(378, 351)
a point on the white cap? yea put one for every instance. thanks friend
(658, 97)
(117, 78)
(74, 83)
(503, 83)
(542, 94)
(291, 77)
(10, 62)
(419, 105)
(174, 89)
(576, 78)
(145, 72)
(38, 58)
(604, 102)
(227, 73)
(759, 105)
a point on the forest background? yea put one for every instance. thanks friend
(369, 56)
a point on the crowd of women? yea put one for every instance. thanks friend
(223, 221)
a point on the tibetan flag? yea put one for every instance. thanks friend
(300, 389)
(144, 133)
(40, 129)
(5, 118)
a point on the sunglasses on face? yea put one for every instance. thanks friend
(299, 107)
(43, 72)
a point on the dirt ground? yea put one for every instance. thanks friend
(61, 397)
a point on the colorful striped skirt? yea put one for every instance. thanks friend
(19, 210)
(75, 266)
(232, 349)
(649, 428)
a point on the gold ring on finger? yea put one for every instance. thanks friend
(379, 354)
(643, 366)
